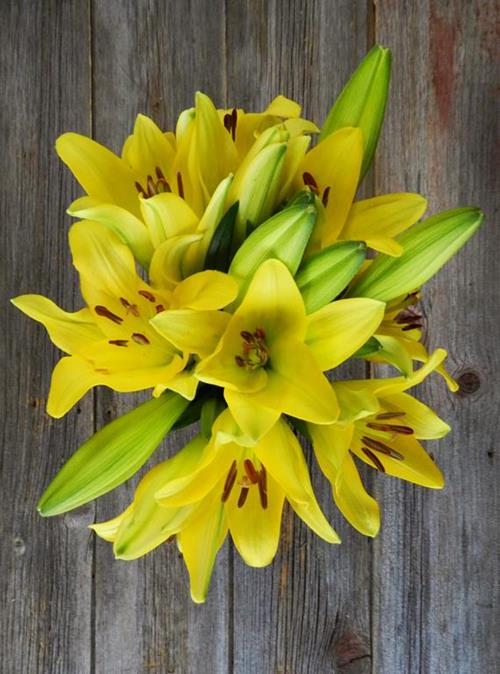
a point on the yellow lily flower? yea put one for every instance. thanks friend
(111, 341)
(399, 335)
(212, 487)
(381, 425)
(271, 356)
(207, 147)
(332, 170)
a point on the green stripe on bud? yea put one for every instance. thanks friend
(283, 237)
(427, 246)
(362, 102)
(325, 275)
(112, 455)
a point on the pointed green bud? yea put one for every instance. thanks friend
(325, 275)
(283, 237)
(427, 246)
(112, 455)
(257, 188)
(362, 102)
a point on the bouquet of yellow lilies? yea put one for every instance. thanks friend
(258, 284)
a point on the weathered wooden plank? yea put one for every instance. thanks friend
(309, 611)
(151, 57)
(435, 583)
(46, 565)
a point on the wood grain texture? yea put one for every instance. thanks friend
(435, 565)
(46, 564)
(421, 598)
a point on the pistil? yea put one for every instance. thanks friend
(255, 354)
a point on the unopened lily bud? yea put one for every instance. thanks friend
(427, 246)
(325, 275)
(283, 237)
(362, 102)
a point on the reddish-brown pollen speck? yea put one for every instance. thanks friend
(129, 308)
(139, 338)
(106, 313)
(159, 308)
(147, 295)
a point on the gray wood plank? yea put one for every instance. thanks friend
(310, 610)
(46, 564)
(151, 57)
(435, 583)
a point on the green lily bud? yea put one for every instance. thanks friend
(257, 188)
(427, 246)
(283, 237)
(112, 455)
(362, 102)
(219, 252)
(325, 275)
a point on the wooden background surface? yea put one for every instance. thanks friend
(418, 599)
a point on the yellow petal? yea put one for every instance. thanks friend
(331, 447)
(102, 174)
(184, 383)
(281, 106)
(339, 329)
(129, 228)
(70, 332)
(383, 217)
(384, 387)
(416, 465)
(148, 149)
(335, 163)
(108, 530)
(200, 543)
(296, 385)
(192, 331)
(167, 261)
(167, 215)
(383, 244)
(102, 259)
(71, 379)
(254, 419)
(255, 530)
(424, 421)
(356, 400)
(205, 290)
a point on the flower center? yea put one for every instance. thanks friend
(158, 185)
(377, 436)
(255, 354)
(310, 181)
(250, 476)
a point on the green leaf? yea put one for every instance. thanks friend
(362, 102)
(112, 455)
(325, 275)
(219, 252)
(427, 246)
(283, 237)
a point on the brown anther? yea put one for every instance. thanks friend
(102, 370)
(139, 338)
(159, 174)
(106, 313)
(242, 497)
(259, 333)
(239, 361)
(324, 198)
(309, 181)
(229, 483)
(140, 189)
(390, 428)
(247, 336)
(118, 342)
(390, 415)
(149, 296)
(412, 326)
(378, 463)
(228, 121)
(159, 308)
(378, 446)
(180, 186)
(263, 487)
(251, 472)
